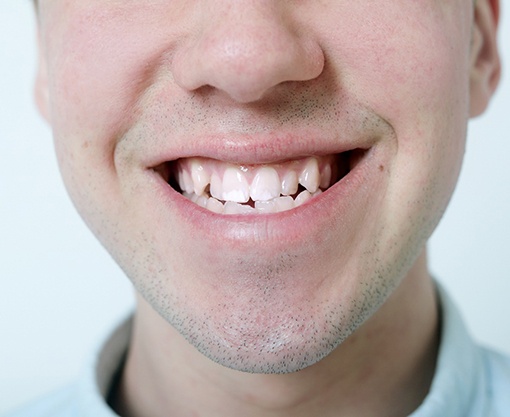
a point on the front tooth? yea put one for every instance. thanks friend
(290, 183)
(266, 185)
(199, 176)
(236, 208)
(235, 186)
(265, 206)
(216, 189)
(310, 176)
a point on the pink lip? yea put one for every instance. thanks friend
(255, 149)
(341, 205)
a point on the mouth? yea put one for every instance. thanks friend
(237, 189)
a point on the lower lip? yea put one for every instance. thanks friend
(339, 206)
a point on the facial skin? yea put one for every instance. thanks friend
(128, 86)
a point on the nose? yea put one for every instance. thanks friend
(245, 48)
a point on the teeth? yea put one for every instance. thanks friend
(266, 185)
(236, 208)
(226, 189)
(185, 182)
(235, 186)
(266, 206)
(326, 177)
(214, 205)
(303, 197)
(199, 176)
(310, 176)
(216, 189)
(290, 183)
(284, 203)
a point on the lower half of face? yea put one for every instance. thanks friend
(265, 224)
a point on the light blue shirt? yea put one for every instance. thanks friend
(470, 381)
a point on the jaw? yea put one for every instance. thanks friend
(253, 291)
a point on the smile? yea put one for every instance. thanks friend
(231, 189)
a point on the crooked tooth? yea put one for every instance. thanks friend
(290, 183)
(266, 185)
(236, 208)
(199, 176)
(326, 177)
(214, 205)
(216, 189)
(284, 203)
(235, 186)
(302, 197)
(310, 176)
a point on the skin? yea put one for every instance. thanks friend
(335, 318)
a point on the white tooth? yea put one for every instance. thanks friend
(236, 208)
(189, 196)
(199, 176)
(185, 181)
(266, 185)
(316, 193)
(214, 205)
(265, 206)
(216, 189)
(309, 177)
(202, 201)
(326, 177)
(235, 186)
(290, 183)
(303, 197)
(284, 203)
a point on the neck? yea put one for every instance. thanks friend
(385, 368)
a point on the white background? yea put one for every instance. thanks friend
(60, 291)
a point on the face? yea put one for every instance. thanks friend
(266, 173)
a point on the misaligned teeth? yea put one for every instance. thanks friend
(226, 189)
(216, 189)
(290, 183)
(199, 176)
(310, 176)
(302, 198)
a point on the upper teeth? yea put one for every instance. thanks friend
(264, 185)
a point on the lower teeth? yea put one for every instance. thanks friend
(276, 205)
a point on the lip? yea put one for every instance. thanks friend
(256, 149)
(338, 207)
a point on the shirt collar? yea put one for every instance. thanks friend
(457, 387)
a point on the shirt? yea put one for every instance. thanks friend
(469, 380)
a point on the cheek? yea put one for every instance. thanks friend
(103, 58)
(408, 62)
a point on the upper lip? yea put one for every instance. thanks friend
(256, 149)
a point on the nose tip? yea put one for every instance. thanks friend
(246, 57)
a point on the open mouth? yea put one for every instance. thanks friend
(226, 188)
